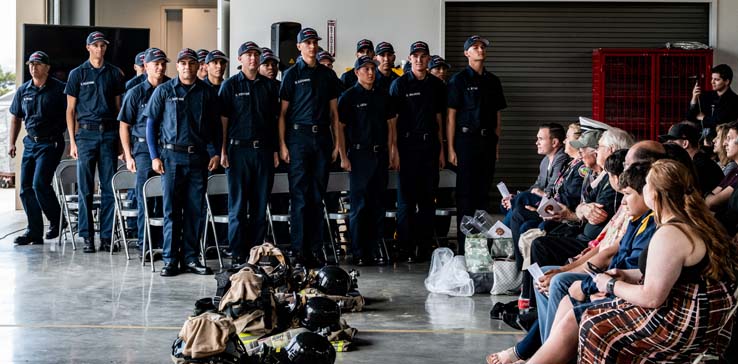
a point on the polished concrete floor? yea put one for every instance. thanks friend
(63, 306)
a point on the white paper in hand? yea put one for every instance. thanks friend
(499, 230)
(548, 207)
(503, 189)
(535, 272)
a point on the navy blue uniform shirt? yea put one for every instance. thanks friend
(349, 79)
(133, 82)
(185, 115)
(383, 81)
(252, 108)
(365, 113)
(476, 98)
(95, 90)
(133, 107)
(417, 102)
(309, 92)
(43, 109)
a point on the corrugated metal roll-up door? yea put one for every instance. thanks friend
(542, 52)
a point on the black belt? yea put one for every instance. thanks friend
(98, 127)
(466, 130)
(245, 143)
(140, 140)
(191, 149)
(45, 139)
(373, 148)
(315, 129)
(418, 136)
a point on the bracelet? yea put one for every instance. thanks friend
(611, 286)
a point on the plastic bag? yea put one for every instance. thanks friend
(448, 274)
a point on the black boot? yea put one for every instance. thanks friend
(89, 245)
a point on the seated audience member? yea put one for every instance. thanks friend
(597, 206)
(717, 199)
(567, 189)
(682, 306)
(550, 144)
(687, 136)
(718, 147)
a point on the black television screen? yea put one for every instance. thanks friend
(65, 45)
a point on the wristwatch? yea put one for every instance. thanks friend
(611, 286)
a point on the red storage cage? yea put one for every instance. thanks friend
(645, 91)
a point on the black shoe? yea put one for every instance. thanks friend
(169, 270)
(237, 262)
(197, 268)
(25, 240)
(105, 245)
(380, 261)
(89, 245)
(53, 231)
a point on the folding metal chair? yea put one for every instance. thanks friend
(65, 181)
(217, 186)
(152, 188)
(447, 179)
(123, 181)
(281, 186)
(337, 182)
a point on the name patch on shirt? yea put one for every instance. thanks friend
(175, 98)
(413, 94)
(472, 88)
(302, 81)
(87, 83)
(361, 106)
(243, 94)
(26, 98)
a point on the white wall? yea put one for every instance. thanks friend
(378, 20)
(199, 28)
(402, 22)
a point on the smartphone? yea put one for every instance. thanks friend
(594, 269)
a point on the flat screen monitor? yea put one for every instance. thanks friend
(65, 45)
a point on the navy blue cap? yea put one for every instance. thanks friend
(438, 61)
(202, 54)
(155, 54)
(325, 55)
(384, 47)
(364, 44)
(187, 53)
(96, 37)
(249, 46)
(307, 33)
(363, 61)
(473, 39)
(267, 55)
(139, 60)
(38, 57)
(213, 55)
(419, 46)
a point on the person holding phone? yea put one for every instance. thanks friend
(715, 107)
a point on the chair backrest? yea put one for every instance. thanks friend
(217, 185)
(281, 183)
(392, 180)
(124, 180)
(338, 182)
(447, 179)
(67, 177)
(153, 188)
(63, 163)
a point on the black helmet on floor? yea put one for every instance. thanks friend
(319, 313)
(333, 280)
(310, 348)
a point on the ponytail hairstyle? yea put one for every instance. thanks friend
(675, 192)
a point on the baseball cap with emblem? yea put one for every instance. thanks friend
(139, 60)
(419, 46)
(325, 55)
(363, 61)
(186, 53)
(267, 55)
(96, 37)
(438, 61)
(307, 33)
(202, 54)
(213, 55)
(364, 44)
(249, 46)
(474, 39)
(38, 57)
(155, 54)
(384, 47)
(589, 139)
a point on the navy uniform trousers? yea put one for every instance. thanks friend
(184, 182)
(143, 173)
(250, 179)
(367, 184)
(310, 159)
(96, 149)
(38, 164)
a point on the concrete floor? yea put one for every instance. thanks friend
(63, 306)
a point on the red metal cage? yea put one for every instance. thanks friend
(645, 91)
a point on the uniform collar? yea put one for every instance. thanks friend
(472, 73)
(176, 82)
(242, 77)
(87, 64)
(361, 88)
(301, 65)
(412, 77)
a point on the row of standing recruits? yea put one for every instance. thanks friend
(185, 128)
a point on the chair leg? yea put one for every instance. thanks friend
(115, 224)
(217, 244)
(204, 240)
